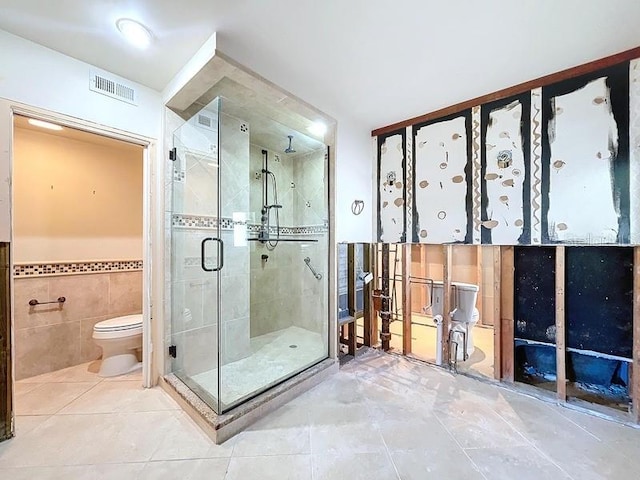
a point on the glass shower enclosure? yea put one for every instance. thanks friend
(249, 253)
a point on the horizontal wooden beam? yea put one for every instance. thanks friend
(516, 89)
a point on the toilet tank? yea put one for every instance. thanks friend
(465, 296)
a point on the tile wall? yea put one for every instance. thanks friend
(284, 292)
(52, 337)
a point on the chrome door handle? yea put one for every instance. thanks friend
(220, 254)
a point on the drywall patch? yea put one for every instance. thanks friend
(391, 187)
(505, 171)
(585, 159)
(442, 180)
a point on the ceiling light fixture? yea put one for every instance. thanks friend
(42, 124)
(134, 32)
(318, 128)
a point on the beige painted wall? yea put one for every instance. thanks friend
(75, 200)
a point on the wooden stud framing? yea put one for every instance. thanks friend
(406, 298)
(446, 301)
(635, 379)
(497, 324)
(561, 352)
(351, 279)
(507, 314)
(369, 313)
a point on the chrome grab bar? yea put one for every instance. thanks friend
(318, 276)
(33, 302)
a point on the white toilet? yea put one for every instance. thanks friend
(464, 316)
(119, 339)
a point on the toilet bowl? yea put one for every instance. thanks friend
(463, 317)
(119, 339)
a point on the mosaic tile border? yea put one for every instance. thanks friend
(206, 222)
(47, 269)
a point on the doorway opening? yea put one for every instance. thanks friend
(77, 270)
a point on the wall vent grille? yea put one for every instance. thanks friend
(205, 121)
(111, 88)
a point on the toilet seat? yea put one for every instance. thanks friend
(119, 327)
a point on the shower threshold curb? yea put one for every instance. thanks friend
(222, 427)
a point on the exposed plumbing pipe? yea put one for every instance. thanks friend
(385, 314)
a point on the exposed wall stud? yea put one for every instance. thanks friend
(406, 298)
(635, 380)
(561, 352)
(497, 324)
(446, 302)
(507, 292)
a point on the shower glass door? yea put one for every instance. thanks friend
(250, 243)
(197, 254)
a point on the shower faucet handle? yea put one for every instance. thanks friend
(273, 206)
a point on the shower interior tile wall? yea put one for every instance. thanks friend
(284, 292)
(52, 337)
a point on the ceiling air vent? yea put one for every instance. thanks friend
(112, 88)
(206, 121)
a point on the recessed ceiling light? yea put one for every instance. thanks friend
(41, 124)
(318, 128)
(134, 32)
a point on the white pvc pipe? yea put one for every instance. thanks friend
(438, 320)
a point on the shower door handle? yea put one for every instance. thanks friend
(220, 254)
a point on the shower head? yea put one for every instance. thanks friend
(290, 149)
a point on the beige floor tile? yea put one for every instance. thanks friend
(21, 388)
(354, 438)
(279, 467)
(377, 403)
(185, 440)
(273, 441)
(417, 435)
(49, 398)
(507, 463)
(127, 471)
(136, 375)
(204, 469)
(25, 423)
(337, 414)
(475, 426)
(88, 439)
(599, 427)
(124, 396)
(435, 464)
(359, 466)
(85, 373)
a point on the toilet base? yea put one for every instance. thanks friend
(119, 365)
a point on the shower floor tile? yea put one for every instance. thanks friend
(273, 358)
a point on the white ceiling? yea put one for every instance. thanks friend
(375, 61)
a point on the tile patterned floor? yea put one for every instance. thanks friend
(381, 417)
(271, 360)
